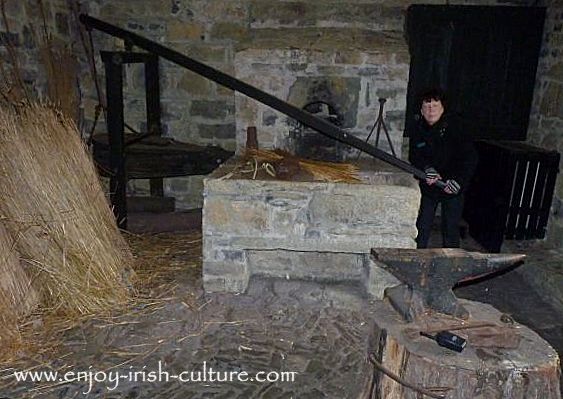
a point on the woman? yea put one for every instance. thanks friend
(445, 153)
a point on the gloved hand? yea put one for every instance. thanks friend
(452, 187)
(432, 175)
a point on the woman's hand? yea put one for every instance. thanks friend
(432, 176)
(452, 187)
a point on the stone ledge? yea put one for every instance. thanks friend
(352, 245)
(325, 39)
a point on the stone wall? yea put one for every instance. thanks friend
(309, 65)
(23, 25)
(546, 120)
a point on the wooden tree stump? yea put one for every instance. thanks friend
(530, 371)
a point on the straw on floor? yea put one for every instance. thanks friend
(54, 208)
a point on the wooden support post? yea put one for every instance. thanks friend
(115, 125)
(152, 93)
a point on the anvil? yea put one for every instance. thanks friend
(429, 275)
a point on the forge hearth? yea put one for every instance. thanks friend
(315, 231)
(332, 73)
(307, 143)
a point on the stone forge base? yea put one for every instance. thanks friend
(304, 230)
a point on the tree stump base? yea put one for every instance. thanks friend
(530, 370)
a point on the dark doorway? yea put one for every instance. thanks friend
(484, 57)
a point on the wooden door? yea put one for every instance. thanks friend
(484, 57)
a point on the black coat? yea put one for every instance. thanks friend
(447, 149)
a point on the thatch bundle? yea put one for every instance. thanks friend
(321, 171)
(62, 77)
(17, 296)
(53, 206)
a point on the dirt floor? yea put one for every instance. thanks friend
(172, 325)
(315, 330)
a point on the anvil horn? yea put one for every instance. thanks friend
(506, 259)
(494, 263)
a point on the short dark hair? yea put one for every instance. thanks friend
(432, 93)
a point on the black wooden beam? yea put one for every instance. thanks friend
(226, 80)
(115, 124)
(152, 95)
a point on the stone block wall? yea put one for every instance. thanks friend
(23, 25)
(546, 120)
(194, 109)
(198, 110)
(352, 77)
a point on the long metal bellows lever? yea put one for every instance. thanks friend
(224, 79)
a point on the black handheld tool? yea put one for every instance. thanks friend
(447, 340)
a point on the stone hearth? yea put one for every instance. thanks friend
(304, 230)
(345, 68)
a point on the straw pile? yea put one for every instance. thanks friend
(17, 296)
(321, 171)
(61, 69)
(55, 209)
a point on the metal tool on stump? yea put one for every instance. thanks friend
(429, 275)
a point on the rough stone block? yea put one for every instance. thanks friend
(211, 109)
(552, 101)
(225, 269)
(378, 279)
(235, 216)
(350, 14)
(195, 84)
(179, 30)
(232, 10)
(330, 70)
(217, 131)
(555, 71)
(206, 53)
(388, 209)
(224, 284)
(223, 91)
(348, 57)
(229, 31)
(286, 13)
(318, 266)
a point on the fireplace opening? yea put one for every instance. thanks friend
(308, 143)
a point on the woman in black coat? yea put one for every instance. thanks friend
(444, 152)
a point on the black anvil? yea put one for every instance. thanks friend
(429, 275)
